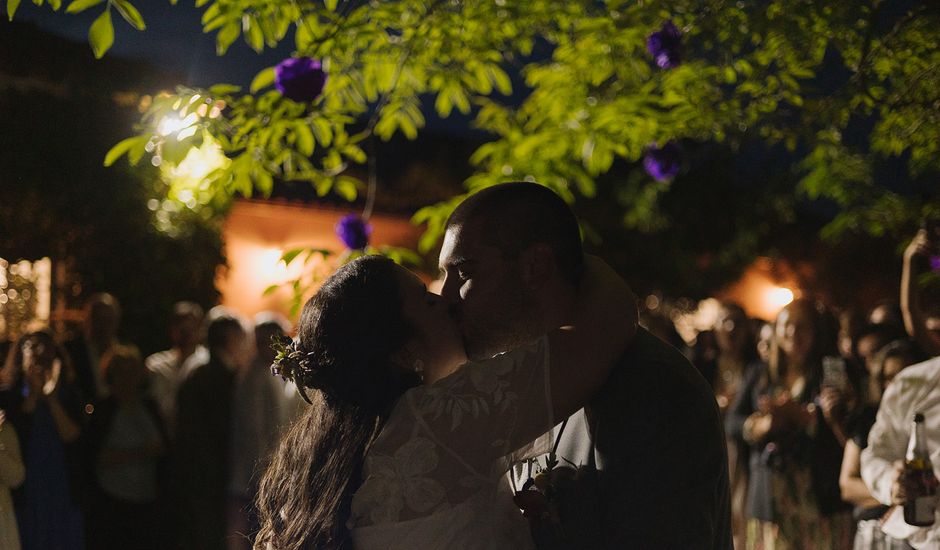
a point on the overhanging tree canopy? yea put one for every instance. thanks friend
(847, 88)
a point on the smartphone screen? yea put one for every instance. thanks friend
(834, 373)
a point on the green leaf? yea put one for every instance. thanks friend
(500, 79)
(401, 255)
(323, 131)
(347, 187)
(211, 13)
(264, 181)
(121, 148)
(254, 35)
(215, 22)
(224, 89)
(330, 4)
(226, 36)
(355, 154)
(137, 150)
(730, 75)
(304, 138)
(262, 80)
(290, 255)
(443, 104)
(313, 252)
(101, 34)
(79, 6)
(271, 290)
(130, 14)
(11, 8)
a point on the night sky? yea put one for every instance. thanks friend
(173, 40)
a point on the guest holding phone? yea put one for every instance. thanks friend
(793, 421)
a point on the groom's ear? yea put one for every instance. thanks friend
(537, 265)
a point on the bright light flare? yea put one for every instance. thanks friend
(173, 123)
(778, 297)
(269, 269)
(199, 162)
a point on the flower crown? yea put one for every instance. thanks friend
(293, 364)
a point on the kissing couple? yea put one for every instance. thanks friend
(526, 383)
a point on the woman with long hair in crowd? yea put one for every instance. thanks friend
(737, 357)
(44, 406)
(380, 460)
(793, 423)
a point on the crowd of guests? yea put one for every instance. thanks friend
(103, 448)
(801, 398)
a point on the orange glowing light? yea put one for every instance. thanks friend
(778, 297)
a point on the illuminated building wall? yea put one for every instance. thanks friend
(257, 233)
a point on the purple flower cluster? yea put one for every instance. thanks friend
(935, 264)
(300, 78)
(663, 163)
(353, 231)
(664, 44)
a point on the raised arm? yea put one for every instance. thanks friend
(584, 353)
(915, 258)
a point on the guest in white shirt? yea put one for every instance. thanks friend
(168, 368)
(915, 389)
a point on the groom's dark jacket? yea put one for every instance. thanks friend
(654, 461)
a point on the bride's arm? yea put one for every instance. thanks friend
(583, 354)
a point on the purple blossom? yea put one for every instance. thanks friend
(663, 45)
(663, 163)
(300, 78)
(935, 264)
(353, 231)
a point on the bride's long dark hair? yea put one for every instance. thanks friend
(351, 329)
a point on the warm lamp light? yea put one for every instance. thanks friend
(269, 269)
(172, 123)
(778, 297)
(188, 178)
(198, 163)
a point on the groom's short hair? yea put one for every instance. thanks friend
(514, 216)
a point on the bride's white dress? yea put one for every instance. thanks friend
(436, 475)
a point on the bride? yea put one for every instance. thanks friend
(382, 460)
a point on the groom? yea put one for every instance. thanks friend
(653, 467)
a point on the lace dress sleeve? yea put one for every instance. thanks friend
(452, 442)
(489, 410)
